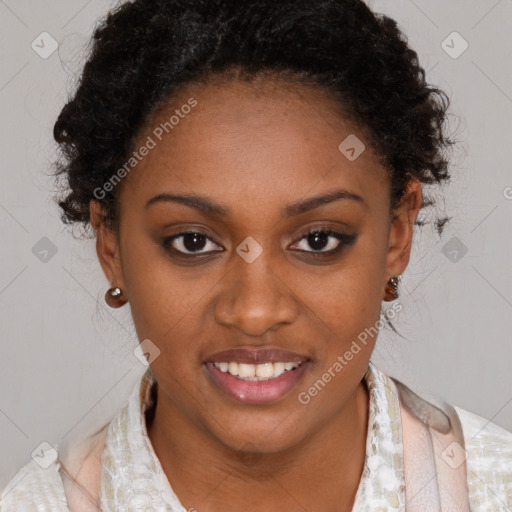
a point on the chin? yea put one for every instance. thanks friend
(259, 432)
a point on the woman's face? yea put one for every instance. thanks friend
(252, 163)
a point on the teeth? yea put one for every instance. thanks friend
(233, 368)
(246, 370)
(263, 371)
(281, 367)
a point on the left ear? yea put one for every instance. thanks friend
(401, 229)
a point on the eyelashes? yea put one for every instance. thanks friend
(320, 235)
(322, 242)
(188, 239)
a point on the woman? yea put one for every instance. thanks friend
(253, 173)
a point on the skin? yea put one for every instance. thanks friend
(255, 148)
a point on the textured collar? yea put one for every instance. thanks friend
(382, 485)
(133, 478)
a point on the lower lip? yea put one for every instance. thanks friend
(256, 391)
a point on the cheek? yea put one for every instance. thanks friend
(350, 302)
(167, 305)
(354, 287)
(156, 298)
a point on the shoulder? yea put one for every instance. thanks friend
(489, 462)
(34, 488)
(43, 487)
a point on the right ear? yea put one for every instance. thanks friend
(107, 247)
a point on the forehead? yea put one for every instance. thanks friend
(267, 137)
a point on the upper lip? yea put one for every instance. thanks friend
(256, 355)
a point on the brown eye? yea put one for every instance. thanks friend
(323, 241)
(191, 242)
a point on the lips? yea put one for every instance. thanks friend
(237, 372)
(251, 355)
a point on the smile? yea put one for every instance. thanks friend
(250, 372)
(256, 375)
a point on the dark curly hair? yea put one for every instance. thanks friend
(144, 51)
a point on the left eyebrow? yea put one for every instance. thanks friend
(214, 209)
(314, 202)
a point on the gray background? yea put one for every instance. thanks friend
(66, 361)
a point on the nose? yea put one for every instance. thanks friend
(255, 298)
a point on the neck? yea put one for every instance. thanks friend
(320, 473)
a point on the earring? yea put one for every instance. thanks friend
(391, 292)
(115, 298)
